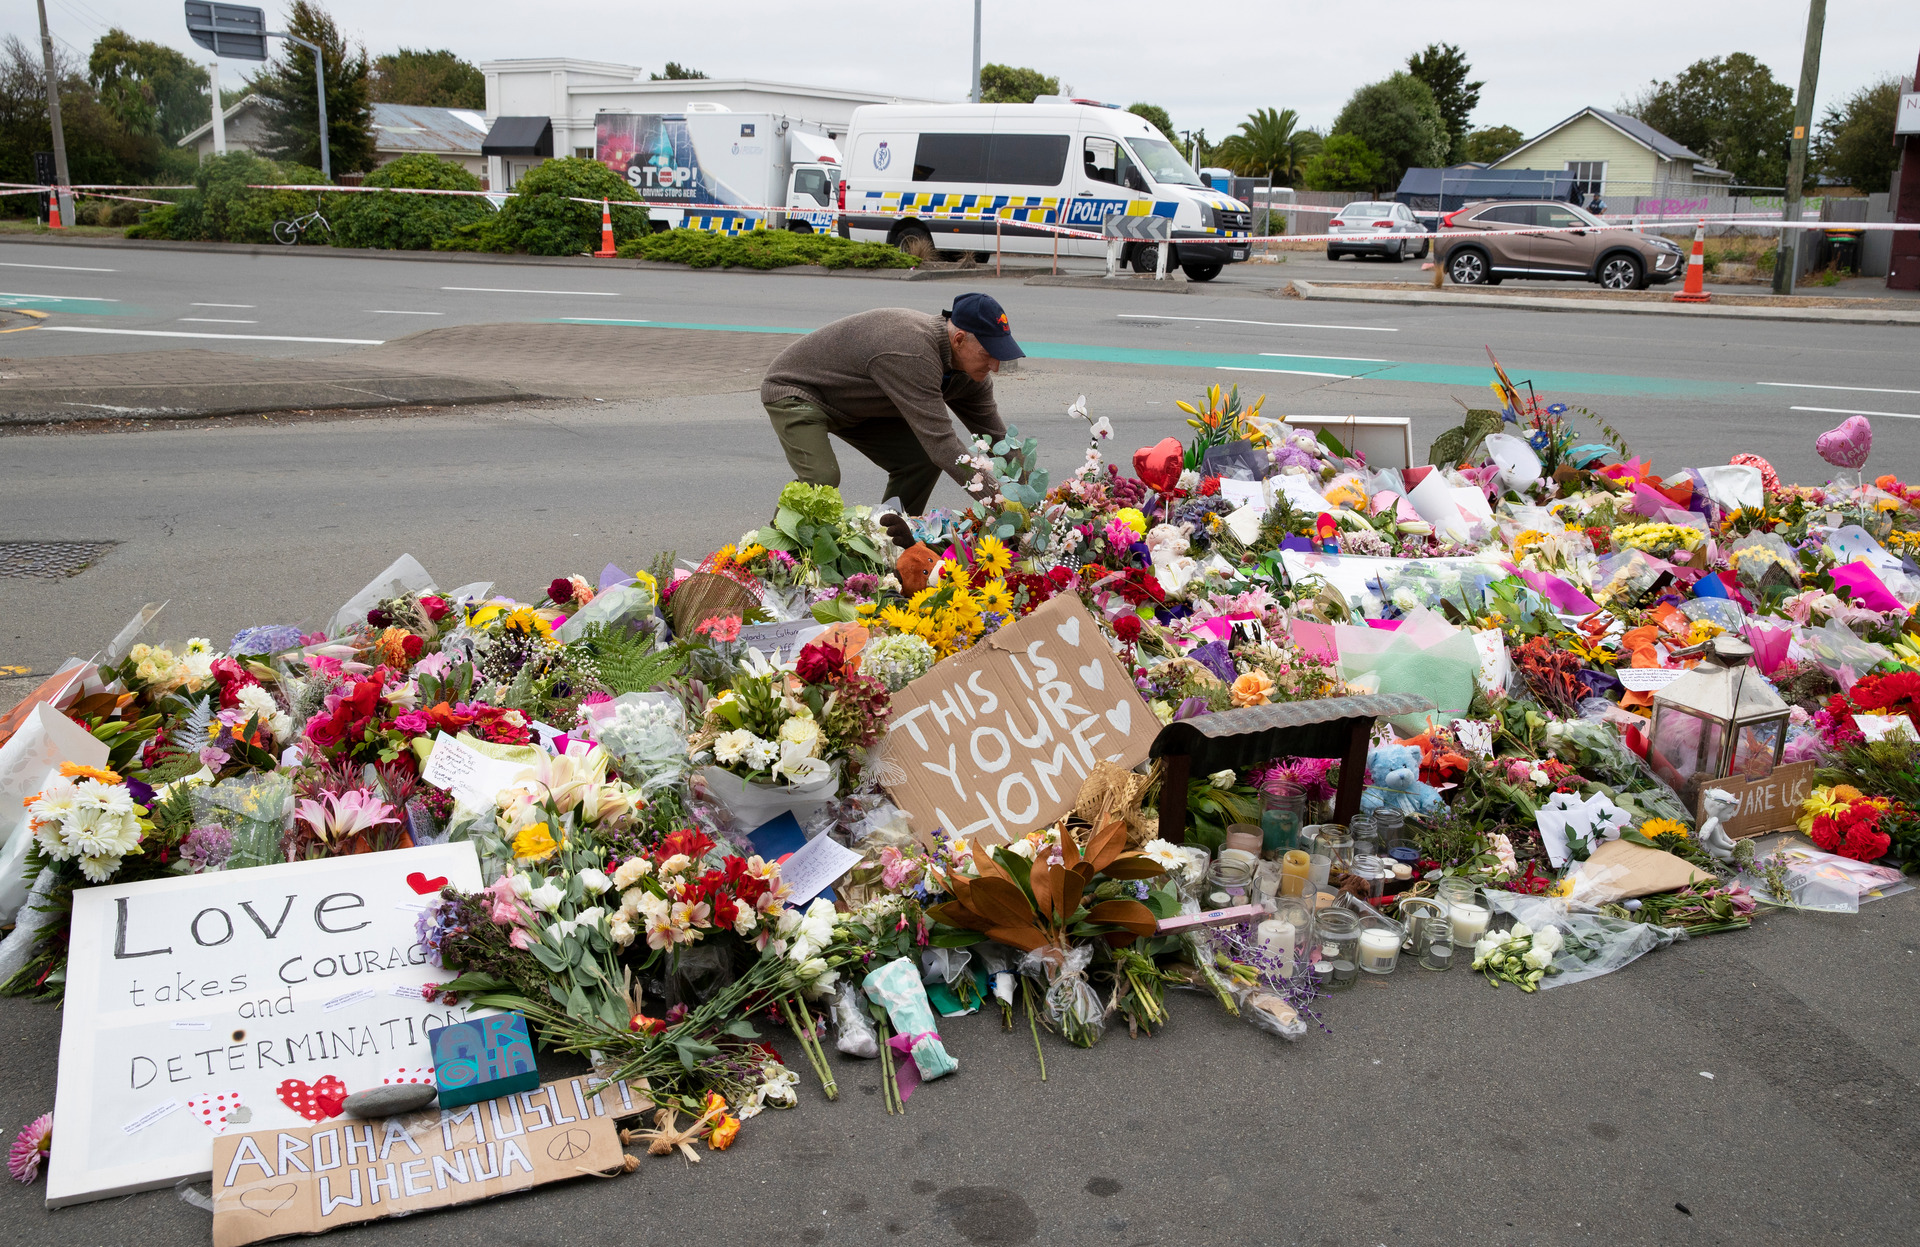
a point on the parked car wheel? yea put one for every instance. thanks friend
(800, 227)
(1469, 267)
(1146, 257)
(1202, 272)
(1399, 251)
(915, 241)
(1332, 254)
(1620, 272)
(1424, 248)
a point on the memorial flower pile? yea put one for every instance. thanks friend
(649, 765)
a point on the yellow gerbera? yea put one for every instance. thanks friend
(963, 603)
(992, 555)
(951, 572)
(918, 602)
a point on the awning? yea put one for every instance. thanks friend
(519, 136)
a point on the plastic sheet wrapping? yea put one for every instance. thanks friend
(896, 986)
(747, 805)
(1264, 1010)
(631, 605)
(1425, 655)
(1073, 1007)
(1838, 652)
(850, 1020)
(949, 976)
(997, 959)
(1792, 875)
(645, 734)
(1625, 575)
(1595, 944)
(256, 808)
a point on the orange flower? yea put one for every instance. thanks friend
(1252, 689)
(721, 1137)
(73, 770)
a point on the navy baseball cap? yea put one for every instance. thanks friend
(982, 316)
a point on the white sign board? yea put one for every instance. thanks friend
(252, 999)
(1907, 120)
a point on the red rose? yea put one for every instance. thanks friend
(436, 608)
(1060, 576)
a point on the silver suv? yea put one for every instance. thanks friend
(1358, 230)
(1480, 245)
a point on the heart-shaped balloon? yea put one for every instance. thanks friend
(1159, 466)
(1848, 445)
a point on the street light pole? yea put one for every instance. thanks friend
(320, 80)
(1787, 260)
(975, 97)
(61, 179)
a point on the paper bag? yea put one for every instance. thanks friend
(1620, 870)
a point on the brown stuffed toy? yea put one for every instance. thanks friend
(915, 568)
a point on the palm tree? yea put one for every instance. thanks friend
(1269, 143)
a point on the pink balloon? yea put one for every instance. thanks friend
(1848, 445)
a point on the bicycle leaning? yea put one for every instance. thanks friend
(289, 232)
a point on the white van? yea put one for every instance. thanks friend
(932, 177)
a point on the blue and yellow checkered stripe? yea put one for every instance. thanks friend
(733, 223)
(1039, 209)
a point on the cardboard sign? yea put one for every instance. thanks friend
(255, 997)
(1770, 804)
(995, 741)
(311, 1179)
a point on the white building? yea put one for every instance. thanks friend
(545, 106)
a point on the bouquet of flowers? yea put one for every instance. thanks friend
(795, 723)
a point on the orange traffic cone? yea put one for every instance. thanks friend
(53, 209)
(607, 250)
(1695, 291)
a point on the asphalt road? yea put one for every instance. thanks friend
(1436, 1111)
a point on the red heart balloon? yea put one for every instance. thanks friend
(423, 885)
(1159, 466)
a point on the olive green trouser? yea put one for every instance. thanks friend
(804, 431)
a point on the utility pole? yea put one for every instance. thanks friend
(61, 179)
(975, 97)
(1787, 260)
(219, 113)
(320, 80)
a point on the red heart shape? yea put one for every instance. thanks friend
(1160, 466)
(316, 1102)
(423, 885)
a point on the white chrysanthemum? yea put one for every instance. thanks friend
(729, 747)
(761, 754)
(99, 869)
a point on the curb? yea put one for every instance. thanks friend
(458, 257)
(1536, 303)
(44, 405)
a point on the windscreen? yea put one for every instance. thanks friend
(1164, 163)
(1367, 211)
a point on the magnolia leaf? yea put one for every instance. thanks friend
(1107, 843)
(1132, 866)
(998, 900)
(1027, 939)
(954, 914)
(1068, 887)
(1132, 915)
(1041, 884)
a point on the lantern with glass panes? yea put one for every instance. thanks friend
(1722, 718)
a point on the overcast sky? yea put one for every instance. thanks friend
(1540, 62)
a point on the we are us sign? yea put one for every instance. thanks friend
(239, 1000)
(995, 741)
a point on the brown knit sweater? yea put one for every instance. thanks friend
(889, 362)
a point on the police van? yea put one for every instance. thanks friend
(932, 178)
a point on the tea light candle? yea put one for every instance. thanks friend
(1323, 900)
(1379, 950)
(1402, 871)
(1276, 940)
(1469, 923)
(1294, 866)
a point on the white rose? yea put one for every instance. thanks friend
(1221, 779)
(620, 931)
(745, 920)
(631, 871)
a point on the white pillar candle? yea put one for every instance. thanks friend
(1378, 949)
(1469, 924)
(1276, 940)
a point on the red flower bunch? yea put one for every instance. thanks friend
(232, 677)
(820, 663)
(1209, 486)
(1137, 585)
(1888, 692)
(691, 841)
(1128, 627)
(502, 727)
(347, 715)
(436, 608)
(727, 890)
(1854, 831)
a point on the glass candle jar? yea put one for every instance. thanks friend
(1438, 953)
(1337, 846)
(1366, 866)
(1280, 820)
(1467, 911)
(1287, 936)
(1379, 949)
(1419, 913)
(1389, 827)
(1344, 976)
(1339, 930)
(1228, 883)
(1244, 837)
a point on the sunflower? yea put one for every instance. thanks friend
(918, 602)
(899, 620)
(1654, 828)
(951, 572)
(525, 619)
(996, 597)
(992, 556)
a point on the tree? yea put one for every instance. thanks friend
(1005, 84)
(1855, 144)
(99, 148)
(676, 72)
(1270, 143)
(1444, 68)
(1345, 163)
(1484, 146)
(409, 222)
(1399, 121)
(1727, 109)
(148, 87)
(545, 215)
(290, 91)
(1158, 118)
(436, 79)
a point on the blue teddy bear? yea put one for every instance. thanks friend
(1395, 774)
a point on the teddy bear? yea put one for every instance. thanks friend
(1395, 772)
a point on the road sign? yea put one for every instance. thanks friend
(1907, 120)
(229, 30)
(1138, 228)
(43, 168)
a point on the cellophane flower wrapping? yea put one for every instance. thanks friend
(1073, 1006)
(646, 734)
(850, 1020)
(896, 985)
(255, 809)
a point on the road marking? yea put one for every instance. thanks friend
(1292, 372)
(238, 337)
(597, 294)
(387, 311)
(69, 268)
(215, 320)
(1270, 324)
(65, 298)
(245, 305)
(1862, 389)
(1345, 359)
(1849, 411)
(602, 320)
